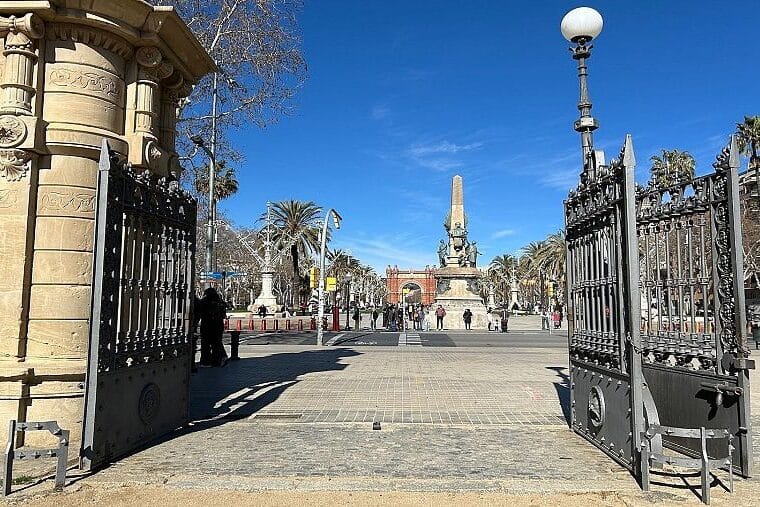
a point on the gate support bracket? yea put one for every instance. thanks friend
(61, 452)
(704, 463)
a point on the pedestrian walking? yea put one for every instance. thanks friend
(440, 313)
(373, 322)
(544, 319)
(211, 311)
(425, 320)
(490, 319)
(357, 318)
(467, 317)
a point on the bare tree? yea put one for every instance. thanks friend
(257, 47)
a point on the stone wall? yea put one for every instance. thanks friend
(72, 72)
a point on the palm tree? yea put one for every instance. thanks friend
(671, 168)
(552, 255)
(225, 181)
(297, 223)
(500, 274)
(748, 139)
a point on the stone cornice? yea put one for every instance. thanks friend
(90, 36)
(136, 22)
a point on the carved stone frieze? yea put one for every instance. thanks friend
(87, 80)
(14, 164)
(8, 198)
(73, 201)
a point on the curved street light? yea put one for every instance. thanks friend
(321, 310)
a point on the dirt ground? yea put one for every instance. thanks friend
(134, 496)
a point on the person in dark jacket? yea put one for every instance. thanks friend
(212, 311)
(467, 317)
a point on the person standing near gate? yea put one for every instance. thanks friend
(212, 311)
(440, 313)
(373, 322)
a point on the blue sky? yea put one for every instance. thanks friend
(402, 95)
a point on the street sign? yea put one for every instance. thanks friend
(214, 275)
(406, 290)
(331, 283)
(231, 274)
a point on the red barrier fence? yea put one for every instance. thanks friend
(270, 325)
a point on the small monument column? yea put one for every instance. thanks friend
(458, 281)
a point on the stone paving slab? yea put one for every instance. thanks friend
(388, 384)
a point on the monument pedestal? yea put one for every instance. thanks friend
(458, 290)
(266, 297)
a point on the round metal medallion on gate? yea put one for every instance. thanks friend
(596, 409)
(150, 402)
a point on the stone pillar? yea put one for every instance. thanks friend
(71, 75)
(18, 180)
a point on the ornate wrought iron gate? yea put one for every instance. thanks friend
(657, 325)
(602, 267)
(140, 335)
(693, 325)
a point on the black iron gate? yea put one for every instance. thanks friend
(693, 321)
(140, 334)
(602, 266)
(656, 313)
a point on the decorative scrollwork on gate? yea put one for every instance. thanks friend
(687, 274)
(593, 215)
(149, 244)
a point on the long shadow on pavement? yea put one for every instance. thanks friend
(244, 387)
(563, 390)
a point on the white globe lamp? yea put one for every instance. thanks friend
(581, 23)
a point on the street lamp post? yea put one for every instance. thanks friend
(580, 26)
(347, 300)
(321, 310)
(198, 141)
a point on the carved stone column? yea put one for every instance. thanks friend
(20, 58)
(146, 149)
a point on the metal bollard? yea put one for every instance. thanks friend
(234, 345)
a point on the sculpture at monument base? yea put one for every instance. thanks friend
(458, 279)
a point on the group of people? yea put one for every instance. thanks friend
(394, 316)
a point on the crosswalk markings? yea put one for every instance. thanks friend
(409, 340)
(334, 339)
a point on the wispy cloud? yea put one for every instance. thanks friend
(380, 112)
(382, 252)
(561, 179)
(419, 150)
(439, 156)
(503, 233)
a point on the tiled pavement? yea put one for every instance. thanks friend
(453, 419)
(388, 384)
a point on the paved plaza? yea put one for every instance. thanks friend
(454, 418)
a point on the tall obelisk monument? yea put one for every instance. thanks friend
(458, 279)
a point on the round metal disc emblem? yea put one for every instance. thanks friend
(150, 403)
(596, 409)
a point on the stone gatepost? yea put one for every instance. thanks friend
(72, 72)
